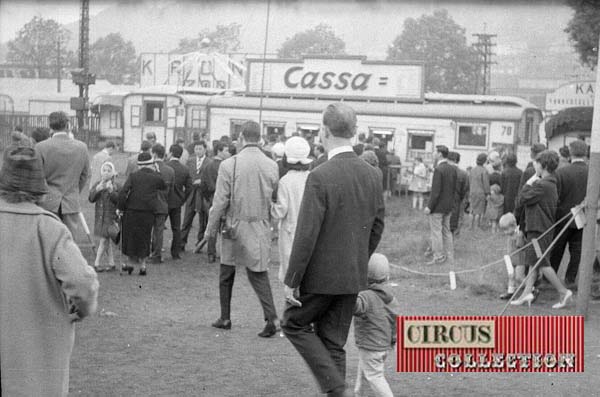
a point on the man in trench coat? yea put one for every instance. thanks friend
(245, 185)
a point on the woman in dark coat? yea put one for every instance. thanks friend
(138, 200)
(105, 193)
(510, 182)
(539, 197)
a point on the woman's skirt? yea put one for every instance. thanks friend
(544, 242)
(137, 233)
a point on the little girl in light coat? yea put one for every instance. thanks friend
(289, 196)
(105, 193)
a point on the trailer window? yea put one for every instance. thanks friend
(420, 144)
(308, 131)
(474, 135)
(235, 128)
(135, 115)
(195, 118)
(273, 128)
(154, 111)
(115, 119)
(172, 117)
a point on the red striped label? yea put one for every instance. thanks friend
(490, 344)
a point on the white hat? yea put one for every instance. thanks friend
(297, 150)
(379, 268)
(278, 149)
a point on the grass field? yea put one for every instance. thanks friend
(152, 335)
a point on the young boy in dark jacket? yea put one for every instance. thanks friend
(375, 327)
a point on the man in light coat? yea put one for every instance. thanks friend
(245, 185)
(66, 168)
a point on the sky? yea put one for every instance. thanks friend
(367, 26)
(15, 14)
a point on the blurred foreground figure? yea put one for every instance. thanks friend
(45, 283)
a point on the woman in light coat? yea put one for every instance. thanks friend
(289, 196)
(45, 284)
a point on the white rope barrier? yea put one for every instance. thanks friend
(502, 260)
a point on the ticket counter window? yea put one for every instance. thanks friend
(271, 128)
(385, 135)
(420, 144)
(308, 131)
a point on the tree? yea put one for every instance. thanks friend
(36, 45)
(584, 30)
(224, 39)
(112, 58)
(320, 40)
(451, 66)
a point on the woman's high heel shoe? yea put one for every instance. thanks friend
(563, 302)
(526, 298)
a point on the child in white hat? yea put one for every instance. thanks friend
(375, 327)
(289, 196)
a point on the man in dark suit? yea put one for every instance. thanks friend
(339, 226)
(182, 186)
(195, 203)
(460, 194)
(66, 169)
(359, 148)
(440, 206)
(208, 187)
(571, 183)
(510, 182)
(162, 211)
(320, 156)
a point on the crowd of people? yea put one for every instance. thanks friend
(325, 202)
(523, 205)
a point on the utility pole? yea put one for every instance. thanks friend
(588, 248)
(484, 47)
(81, 76)
(58, 66)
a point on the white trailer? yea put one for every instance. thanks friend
(169, 112)
(468, 124)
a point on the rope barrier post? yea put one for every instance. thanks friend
(588, 249)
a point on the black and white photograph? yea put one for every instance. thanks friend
(408, 191)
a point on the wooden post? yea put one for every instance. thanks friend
(588, 249)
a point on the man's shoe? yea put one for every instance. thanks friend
(437, 261)
(212, 258)
(176, 257)
(223, 324)
(269, 330)
(506, 296)
(341, 393)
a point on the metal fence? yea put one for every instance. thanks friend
(9, 121)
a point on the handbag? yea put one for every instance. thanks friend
(114, 230)
(228, 229)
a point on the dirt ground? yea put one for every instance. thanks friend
(152, 335)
